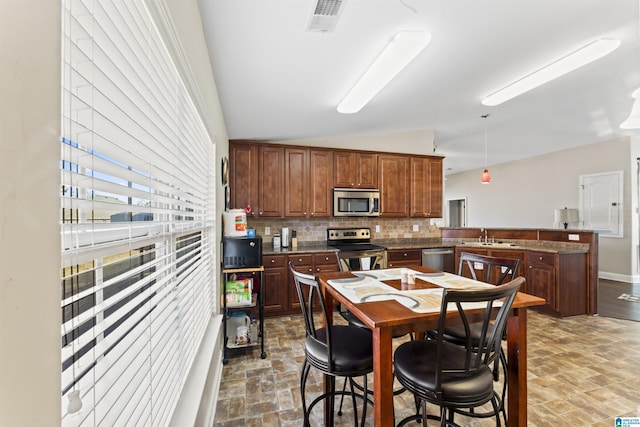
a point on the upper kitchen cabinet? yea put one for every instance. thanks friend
(354, 169)
(426, 187)
(308, 175)
(393, 177)
(243, 177)
(271, 181)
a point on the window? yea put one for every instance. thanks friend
(136, 219)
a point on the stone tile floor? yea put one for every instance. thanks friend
(583, 371)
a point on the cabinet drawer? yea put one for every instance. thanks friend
(403, 255)
(325, 259)
(306, 259)
(541, 258)
(274, 261)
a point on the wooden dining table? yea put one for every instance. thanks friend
(389, 318)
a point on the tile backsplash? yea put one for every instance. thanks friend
(316, 230)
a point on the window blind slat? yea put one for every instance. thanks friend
(136, 221)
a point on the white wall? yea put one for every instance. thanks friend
(524, 193)
(29, 213)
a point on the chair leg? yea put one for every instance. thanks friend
(303, 381)
(344, 388)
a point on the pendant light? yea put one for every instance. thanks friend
(486, 179)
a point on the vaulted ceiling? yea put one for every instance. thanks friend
(277, 80)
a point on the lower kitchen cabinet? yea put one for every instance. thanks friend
(404, 257)
(275, 276)
(281, 297)
(559, 278)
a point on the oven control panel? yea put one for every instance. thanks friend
(348, 234)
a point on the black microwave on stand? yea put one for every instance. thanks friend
(356, 202)
(241, 252)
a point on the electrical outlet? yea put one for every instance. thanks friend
(377, 228)
(267, 231)
(416, 227)
(574, 237)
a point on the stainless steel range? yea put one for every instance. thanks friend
(356, 250)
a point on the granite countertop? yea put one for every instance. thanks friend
(534, 245)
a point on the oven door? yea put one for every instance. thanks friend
(362, 260)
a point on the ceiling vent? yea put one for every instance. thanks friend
(325, 16)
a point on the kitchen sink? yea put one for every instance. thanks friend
(492, 244)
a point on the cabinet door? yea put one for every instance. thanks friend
(320, 184)
(243, 176)
(465, 268)
(541, 277)
(426, 187)
(296, 182)
(344, 169)
(275, 283)
(355, 170)
(435, 188)
(271, 182)
(367, 170)
(394, 185)
(513, 254)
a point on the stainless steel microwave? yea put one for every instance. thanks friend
(353, 202)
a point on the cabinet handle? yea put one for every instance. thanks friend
(273, 260)
(540, 258)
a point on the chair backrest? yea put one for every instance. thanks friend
(506, 268)
(476, 306)
(310, 297)
(361, 260)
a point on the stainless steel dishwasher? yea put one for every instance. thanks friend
(439, 259)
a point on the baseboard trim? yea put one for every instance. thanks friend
(625, 278)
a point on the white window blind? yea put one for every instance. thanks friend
(136, 220)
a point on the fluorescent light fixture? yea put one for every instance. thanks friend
(633, 121)
(586, 54)
(401, 50)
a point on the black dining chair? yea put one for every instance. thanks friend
(451, 376)
(488, 269)
(336, 350)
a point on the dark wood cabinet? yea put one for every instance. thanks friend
(296, 193)
(541, 277)
(281, 297)
(243, 177)
(426, 187)
(275, 279)
(282, 181)
(307, 178)
(271, 181)
(404, 257)
(561, 279)
(354, 169)
(393, 177)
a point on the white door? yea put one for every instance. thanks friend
(601, 203)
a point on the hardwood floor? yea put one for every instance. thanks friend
(619, 300)
(582, 370)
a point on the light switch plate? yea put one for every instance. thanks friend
(377, 228)
(574, 237)
(267, 231)
(416, 227)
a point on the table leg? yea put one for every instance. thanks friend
(517, 368)
(383, 377)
